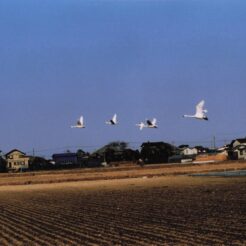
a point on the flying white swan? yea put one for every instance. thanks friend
(149, 124)
(80, 123)
(200, 112)
(113, 121)
(141, 125)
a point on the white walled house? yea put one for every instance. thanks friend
(189, 151)
(239, 141)
(240, 152)
(17, 160)
(238, 147)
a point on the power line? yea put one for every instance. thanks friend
(212, 142)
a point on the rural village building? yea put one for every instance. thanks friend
(239, 141)
(65, 159)
(17, 160)
(240, 152)
(239, 148)
(189, 151)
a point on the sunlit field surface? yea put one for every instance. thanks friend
(172, 210)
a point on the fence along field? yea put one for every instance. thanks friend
(174, 210)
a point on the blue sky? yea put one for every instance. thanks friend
(140, 59)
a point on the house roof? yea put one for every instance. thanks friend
(14, 151)
(182, 146)
(65, 155)
(241, 140)
(156, 144)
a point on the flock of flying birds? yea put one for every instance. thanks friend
(200, 115)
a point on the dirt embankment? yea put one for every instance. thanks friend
(115, 173)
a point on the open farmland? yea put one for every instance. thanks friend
(171, 210)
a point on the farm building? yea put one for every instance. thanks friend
(17, 160)
(76, 159)
(65, 159)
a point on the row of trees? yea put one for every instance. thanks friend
(112, 153)
(2, 165)
(151, 152)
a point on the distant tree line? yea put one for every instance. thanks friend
(3, 164)
(110, 155)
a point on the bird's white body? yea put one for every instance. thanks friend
(200, 112)
(149, 124)
(80, 123)
(141, 125)
(113, 121)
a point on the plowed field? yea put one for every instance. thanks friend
(176, 210)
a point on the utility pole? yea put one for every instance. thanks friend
(33, 152)
(214, 144)
(225, 142)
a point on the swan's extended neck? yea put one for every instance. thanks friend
(189, 116)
